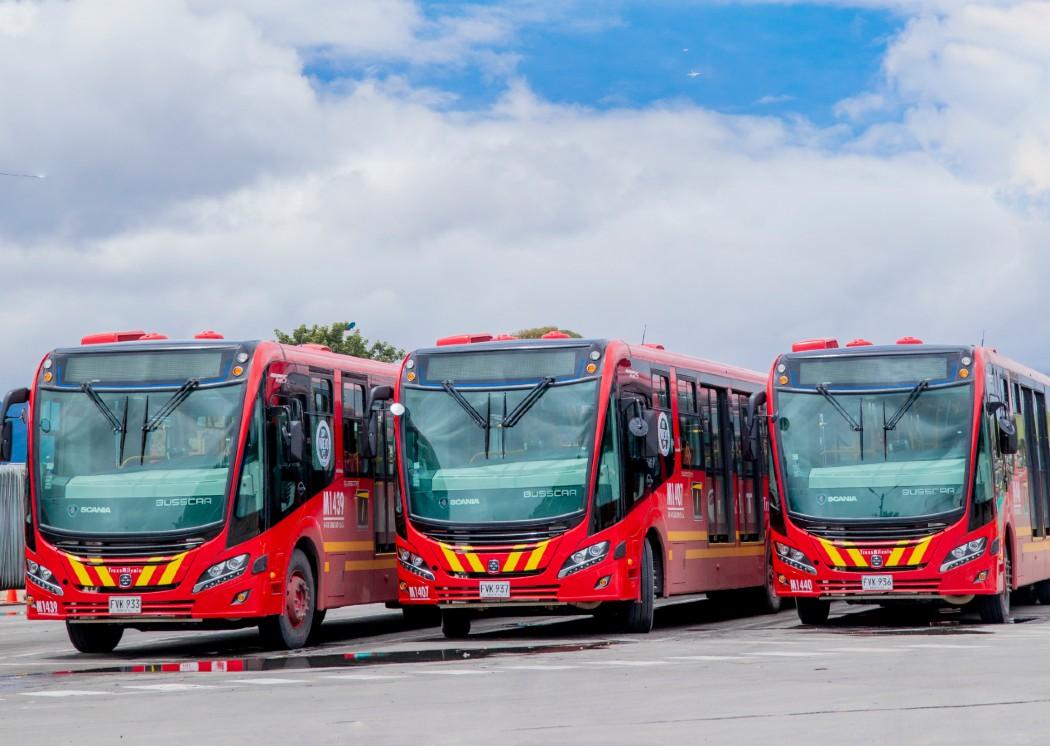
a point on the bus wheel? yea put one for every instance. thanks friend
(766, 599)
(639, 616)
(812, 610)
(421, 616)
(455, 623)
(94, 638)
(996, 609)
(291, 629)
(1042, 592)
(315, 630)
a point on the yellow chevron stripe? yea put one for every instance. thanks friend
(895, 557)
(363, 494)
(451, 558)
(833, 553)
(536, 556)
(147, 573)
(687, 536)
(80, 571)
(474, 562)
(171, 569)
(920, 550)
(104, 576)
(512, 559)
(857, 557)
(348, 546)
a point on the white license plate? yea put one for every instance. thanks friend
(494, 589)
(125, 604)
(876, 582)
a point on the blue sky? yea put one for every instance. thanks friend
(751, 58)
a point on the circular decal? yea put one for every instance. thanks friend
(323, 444)
(663, 433)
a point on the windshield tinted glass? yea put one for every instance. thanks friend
(534, 470)
(93, 480)
(918, 468)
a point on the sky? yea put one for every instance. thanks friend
(729, 176)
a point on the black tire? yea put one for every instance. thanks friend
(455, 623)
(638, 617)
(996, 609)
(812, 611)
(766, 600)
(94, 638)
(421, 616)
(315, 629)
(292, 627)
(1042, 592)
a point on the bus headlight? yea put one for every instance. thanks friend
(221, 572)
(584, 558)
(794, 558)
(413, 563)
(43, 577)
(964, 553)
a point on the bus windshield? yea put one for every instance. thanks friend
(134, 461)
(496, 455)
(901, 454)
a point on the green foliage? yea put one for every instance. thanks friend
(538, 331)
(336, 337)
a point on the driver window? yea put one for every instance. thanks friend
(608, 503)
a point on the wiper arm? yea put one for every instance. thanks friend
(87, 388)
(526, 404)
(171, 405)
(915, 394)
(856, 426)
(466, 405)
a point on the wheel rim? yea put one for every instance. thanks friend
(297, 599)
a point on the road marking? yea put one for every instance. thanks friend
(267, 682)
(170, 687)
(455, 672)
(362, 677)
(786, 654)
(864, 650)
(627, 663)
(551, 667)
(945, 646)
(706, 658)
(63, 693)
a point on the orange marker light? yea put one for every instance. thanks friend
(782, 380)
(964, 373)
(237, 370)
(411, 376)
(591, 367)
(48, 377)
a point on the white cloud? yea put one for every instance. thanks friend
(197, 180)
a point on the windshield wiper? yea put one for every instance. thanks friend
(171, 405)
(915, 393)
(87, 388)
(474, 414)
(823, 391)
(526, 404)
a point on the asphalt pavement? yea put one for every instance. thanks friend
(704, 675)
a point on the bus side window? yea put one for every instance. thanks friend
(608, 502)
(386, 487)
(689, 427)
(319, 434)
(251, 488)
(639, 473)
(292, 478)
(354, 430)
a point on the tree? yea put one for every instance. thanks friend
(538, 331)
(335, 336)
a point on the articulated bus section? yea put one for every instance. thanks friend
(207, 483)
(908, 472)
(565, 472)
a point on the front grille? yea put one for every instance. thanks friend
(534, 593)
(149, 608)
(121, 549)
(854, 586)
(871, 570)
(873, 533)
(478, 537)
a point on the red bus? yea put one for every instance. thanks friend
(206, 484)
(907, 472)
(578, 473)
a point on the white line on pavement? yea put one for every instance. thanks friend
(362, 677)
(455, 672)
(944, 646)
(627, 663)
(63, 693)
(785, 654)
(552, 667)
(171, 687)
(706, 658)
(267, 682)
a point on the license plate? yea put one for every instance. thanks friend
(125, 604)
(876, 582)
(494, 589)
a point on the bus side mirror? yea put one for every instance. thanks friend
(290, 431)
(1007, 435)
(377, 396)
(751, 446)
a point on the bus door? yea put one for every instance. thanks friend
(718, 490)
(691, 450)
(1032, 457)
(748, 499)
(387, 494)
(350, 556)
